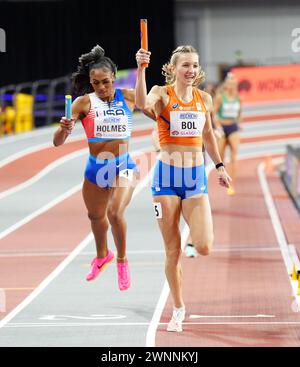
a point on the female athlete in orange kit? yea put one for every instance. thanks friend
(179, 184)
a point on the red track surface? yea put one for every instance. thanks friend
(270, 117)
(46, 233)
(29, 165)
(245, 275)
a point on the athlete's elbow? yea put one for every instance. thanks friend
(140, 105)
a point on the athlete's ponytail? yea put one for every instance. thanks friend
(167, 69)
(94, 59)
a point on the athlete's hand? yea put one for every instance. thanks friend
(224, 178)
(67, 125)
(142, 57)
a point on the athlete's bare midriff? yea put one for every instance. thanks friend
(108, 149)
(181, 155)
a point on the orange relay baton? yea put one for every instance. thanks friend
(144, 37)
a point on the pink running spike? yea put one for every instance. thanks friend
(123, 275)
(99, 264)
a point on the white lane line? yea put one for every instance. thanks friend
(57, 200)
(28, 135)
(105, 324)
(71, 139)
(271, 124)
(279, 233)
(40, 288)
(246, 249)
(231, 316)
(65, 253)
(266, 147)
(46, 281)
(82, 137)
(270, 133)
(50, 131)
(52, 166)
(274, 111)
(40, 211)
(132, 252)
(102, 317)
(34, 149)
(151, 332)
(150, 337)
(43, 172)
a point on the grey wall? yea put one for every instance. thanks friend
(262, 32)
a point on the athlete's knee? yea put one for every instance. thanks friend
(96, 217)
(173, 256)
(204, 247)
(115, 214)
(204, 251)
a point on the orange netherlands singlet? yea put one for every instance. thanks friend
(182, 123)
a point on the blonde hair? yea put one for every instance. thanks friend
(167, 68)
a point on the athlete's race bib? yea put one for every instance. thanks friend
(231, 110)
(186, 123)
(112, 127)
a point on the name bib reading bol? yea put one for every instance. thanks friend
(187, 123)
(112, 127)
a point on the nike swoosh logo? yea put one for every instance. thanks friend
(118, 165)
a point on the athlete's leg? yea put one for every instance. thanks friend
(96, 201)
(119, 200)
(197, 213)
(122, 193)
(170, 207)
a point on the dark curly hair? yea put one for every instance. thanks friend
(94, 59)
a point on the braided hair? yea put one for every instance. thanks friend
(94, 59)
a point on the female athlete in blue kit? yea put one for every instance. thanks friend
(106, 115)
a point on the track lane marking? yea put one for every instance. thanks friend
(97, 324)
(133, 252)
(83, 244)
(46, 170)
(277, 227)
(151, 333)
